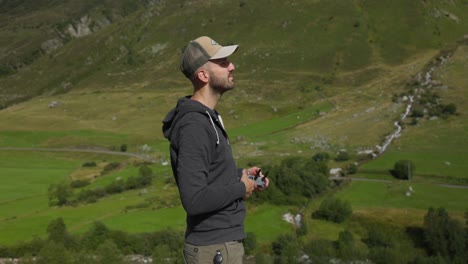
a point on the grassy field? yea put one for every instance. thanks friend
(394, 195)
(25, 213)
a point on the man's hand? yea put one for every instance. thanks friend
(256, 171)
(249, 184)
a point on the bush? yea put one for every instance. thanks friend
(321, 156)
(89, 164)
(302, 230)
(403, 169)
(79, 183)
(133, 182)
(250, 243)
(449, 109)
(287, 248)
(59, 194)
(347, 249)
(320, 251)
(108, 252)
(123, 148)
(333, 209)
(342, 156)
(351, 168)
(295, 175)
(417, 113)
(110, 167)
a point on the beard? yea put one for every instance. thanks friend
(221, 83)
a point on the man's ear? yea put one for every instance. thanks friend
(203, 75)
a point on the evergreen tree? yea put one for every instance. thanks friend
(96, 236)
(53, 253)
(444, 236)
(108, 252)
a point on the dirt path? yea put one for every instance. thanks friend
(128, 154)
(336, 178)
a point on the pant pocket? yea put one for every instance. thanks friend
(191, 254)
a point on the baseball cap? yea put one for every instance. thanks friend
(200, 51)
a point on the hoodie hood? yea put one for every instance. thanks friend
(186, 105)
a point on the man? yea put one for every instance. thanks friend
(212, 189)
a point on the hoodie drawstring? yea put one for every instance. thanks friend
(214, 126)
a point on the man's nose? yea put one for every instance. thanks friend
(231, 66)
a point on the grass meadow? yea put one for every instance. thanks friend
(25, 213)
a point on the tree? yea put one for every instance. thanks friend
(296, 175)
(162, 254)
(403, 169)
(53, 253)
(347, 248)
(444, 236)
(250, 243)
(57, 232)
(59, 194)
(108, 252)
(287, 249)
(333, 209)
(97, 235)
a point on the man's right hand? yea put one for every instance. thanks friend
(249, 184)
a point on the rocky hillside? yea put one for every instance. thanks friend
(50, 47)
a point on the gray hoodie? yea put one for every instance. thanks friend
(206, 174)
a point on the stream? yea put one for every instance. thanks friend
(426, 84)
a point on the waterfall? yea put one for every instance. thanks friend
(427, 83)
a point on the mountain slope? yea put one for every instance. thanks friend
(314, 73)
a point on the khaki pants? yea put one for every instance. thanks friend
(232, 253)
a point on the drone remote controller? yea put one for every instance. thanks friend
(259, 180)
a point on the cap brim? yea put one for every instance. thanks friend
(224, 52)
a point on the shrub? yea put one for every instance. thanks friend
(286, 246)
(123, 148)
(89, 164)
(79, 183)
(320, 250)
(351, 168)
(110, 167)
(342, 156)
(333, 209)
(449, 109)
(108, 252)
(59, 194)
(321, 156)
(302, 230)
(417, 113)
(250, 243)
(295, 175)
